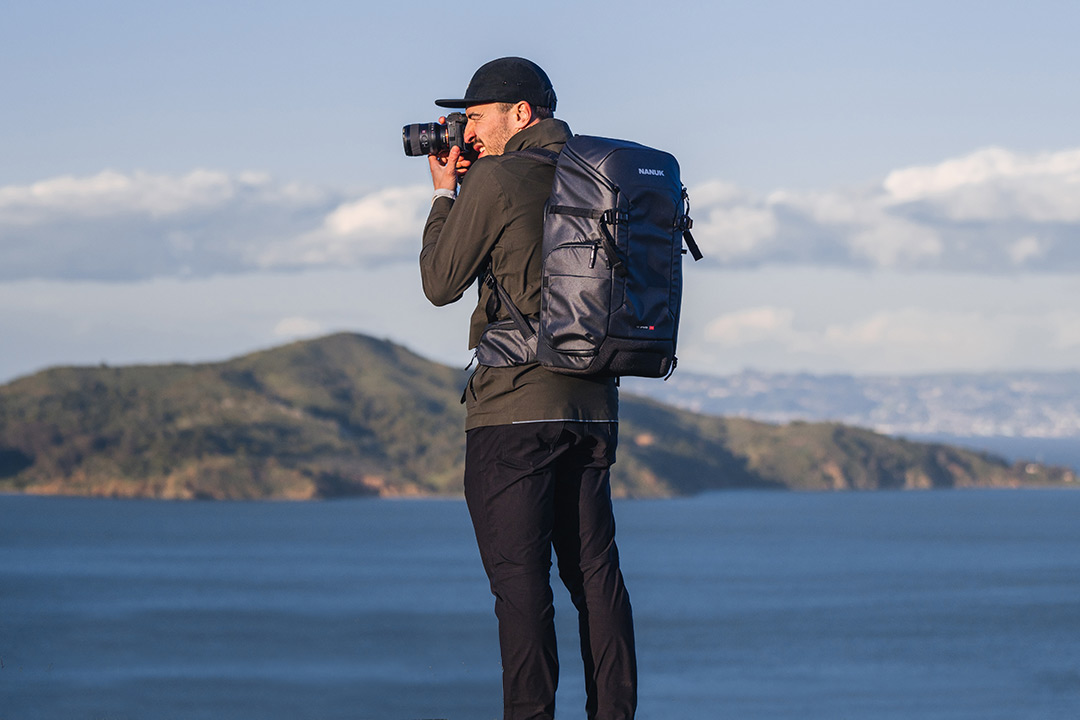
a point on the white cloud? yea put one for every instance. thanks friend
(895, 242)
(1026, 248)
(784, 319)
(995, 184)
(990, 211)
(918, 330)
(298, 327)
(115, 226)
(51, 322)
(380, 226)
(111, 193)
(719, 192)
(1065, 329)
(890, 332)
(738, 231)
(993, 211)
(752, 325)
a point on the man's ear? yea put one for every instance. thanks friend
(523, 115)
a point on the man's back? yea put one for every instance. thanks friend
(498, 217)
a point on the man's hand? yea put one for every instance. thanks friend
(445, 170)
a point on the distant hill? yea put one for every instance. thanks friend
(351, 415)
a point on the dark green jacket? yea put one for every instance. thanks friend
(499, 216)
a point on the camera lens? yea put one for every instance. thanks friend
(424, 139)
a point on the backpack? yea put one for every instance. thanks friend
(611, 291)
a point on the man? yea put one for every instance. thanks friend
(539, 445)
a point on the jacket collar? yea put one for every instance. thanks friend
(548, 133)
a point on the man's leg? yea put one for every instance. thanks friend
(584, 539)
(509, 483)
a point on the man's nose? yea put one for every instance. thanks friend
(470, 132)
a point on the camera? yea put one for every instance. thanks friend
(436, 139)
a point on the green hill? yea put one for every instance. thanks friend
(351, 415)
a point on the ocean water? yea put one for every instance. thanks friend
(936, 605)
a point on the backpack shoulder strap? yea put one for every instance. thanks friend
(548, 157)
(520, 322)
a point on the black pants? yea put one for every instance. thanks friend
(531, 487)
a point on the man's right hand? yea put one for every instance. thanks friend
(444, 174)
(446, 170)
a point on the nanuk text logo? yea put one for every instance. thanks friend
(650, 171)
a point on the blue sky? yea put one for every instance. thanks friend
(879, 187)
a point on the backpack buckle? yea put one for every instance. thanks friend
(614, 216)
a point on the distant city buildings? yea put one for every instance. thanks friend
(1010, 404)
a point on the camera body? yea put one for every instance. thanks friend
(436, 139)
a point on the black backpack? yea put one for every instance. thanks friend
(614, 227)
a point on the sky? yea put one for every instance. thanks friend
(878, 188)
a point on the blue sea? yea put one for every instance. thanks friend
(749, 605)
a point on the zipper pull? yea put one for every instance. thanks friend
(592, 257)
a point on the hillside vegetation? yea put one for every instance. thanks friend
(351, 415)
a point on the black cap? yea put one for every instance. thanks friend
(509, 79)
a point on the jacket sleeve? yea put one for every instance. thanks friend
(460, 234)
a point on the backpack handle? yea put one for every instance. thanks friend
(684, 225)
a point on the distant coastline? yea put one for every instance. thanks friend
(1048, 451)
(348, 415)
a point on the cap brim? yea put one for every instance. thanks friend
(455, 103)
